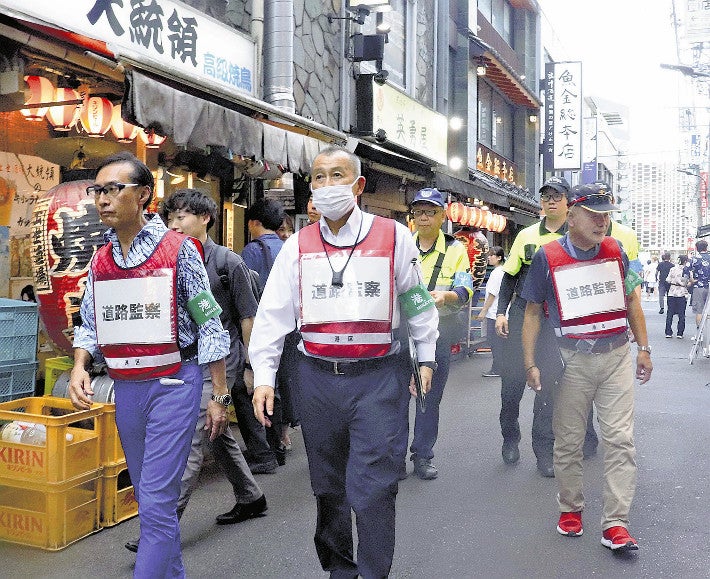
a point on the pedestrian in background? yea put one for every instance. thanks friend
(446, 271)
(158, 276)
(496, 258)
(661, 274)
(581, 279)
(350, 283)
(699, 269)
(264, 446)
(677, 280)
(286, 229)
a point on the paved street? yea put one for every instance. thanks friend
(480, 518)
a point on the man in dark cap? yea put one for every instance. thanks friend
(585, 282)
(553, 198)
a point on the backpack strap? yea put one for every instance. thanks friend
(268, 260)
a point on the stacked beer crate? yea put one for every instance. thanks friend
(50, 472)
(18, 348)
(118, 501)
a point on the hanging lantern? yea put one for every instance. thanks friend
(454, 211)
(465, 215)
(503, 223)
(96, 116)
(475, 217)
(151, 139)
(41, 91)
(123, 131)
(66, 232)
(64, 117)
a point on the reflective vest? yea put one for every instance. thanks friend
(136, 312)
(353, 321)
(590, 294)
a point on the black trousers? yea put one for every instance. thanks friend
(513, 382)
(676, 307)
(254, 434)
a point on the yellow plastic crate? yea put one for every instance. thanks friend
(60, 460)
(118, 502)
(111, 449)
(49, 516)
(53, 368)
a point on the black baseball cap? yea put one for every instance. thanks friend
(592, 197)
(559, 184)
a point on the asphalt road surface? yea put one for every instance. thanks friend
(480, 518)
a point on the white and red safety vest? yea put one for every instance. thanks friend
(355, 320)
(591, 300)
(136, 312)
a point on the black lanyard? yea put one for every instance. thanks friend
(337, 280)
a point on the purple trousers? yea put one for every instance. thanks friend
(156, 423)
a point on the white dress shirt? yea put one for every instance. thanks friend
(279, 308)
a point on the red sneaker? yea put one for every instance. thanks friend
(618, 539)
(570, 524)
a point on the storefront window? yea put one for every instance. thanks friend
(495, 121)
(500, 14)
(395, 57)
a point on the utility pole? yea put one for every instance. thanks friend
(695, 73)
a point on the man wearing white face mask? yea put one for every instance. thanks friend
(349, 282)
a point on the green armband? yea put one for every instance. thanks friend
(415, 301)
(203, 307)
(632, 281)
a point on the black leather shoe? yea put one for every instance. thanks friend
(545, 468)
(132, 546)
(510, 452)
(424, 469)
(242, 512)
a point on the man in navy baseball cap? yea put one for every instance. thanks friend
(592, 197)
(429, 195)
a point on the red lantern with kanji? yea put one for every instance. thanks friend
(96, 116)
(454, 212)
(41, 91)
(66, 232)
(123, 131)
(64, 117)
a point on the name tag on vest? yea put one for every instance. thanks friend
(365, 295)
(588, 289)
(135, 310)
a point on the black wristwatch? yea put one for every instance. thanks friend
(432, 365)
(223, 399)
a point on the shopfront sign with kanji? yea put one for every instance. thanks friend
(169, 35)
(408, 123)
(494, 164)
(562, 148)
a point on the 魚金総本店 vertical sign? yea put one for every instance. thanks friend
(562, 148)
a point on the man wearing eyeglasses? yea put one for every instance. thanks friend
(148, 312)
(584, 282)
(553, 198)
(446, 271)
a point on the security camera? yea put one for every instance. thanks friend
(381, 76)
(381, 135)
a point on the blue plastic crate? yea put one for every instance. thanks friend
(17, 381)
(18, 331)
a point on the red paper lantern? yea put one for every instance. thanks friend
(96, 116)
(41, 91)
(465, 215)
(454, 211)
(503, 223)
(123, 131)
(64, 117)
(66, 232)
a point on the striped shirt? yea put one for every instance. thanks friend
(212, 339)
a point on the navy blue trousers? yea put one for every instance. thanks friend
(426, 424)
(355, 432)
(156, 424)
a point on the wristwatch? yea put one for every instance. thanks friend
(644, 349)
(223, 399)
(432, 365)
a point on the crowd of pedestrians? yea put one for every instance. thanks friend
(319, 328)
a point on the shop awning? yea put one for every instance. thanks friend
(474, 189)
(196, 122)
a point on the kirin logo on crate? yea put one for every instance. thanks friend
(24, 460)
(20, 526)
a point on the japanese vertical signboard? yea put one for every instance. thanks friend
(171, 35)
(562, 147)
